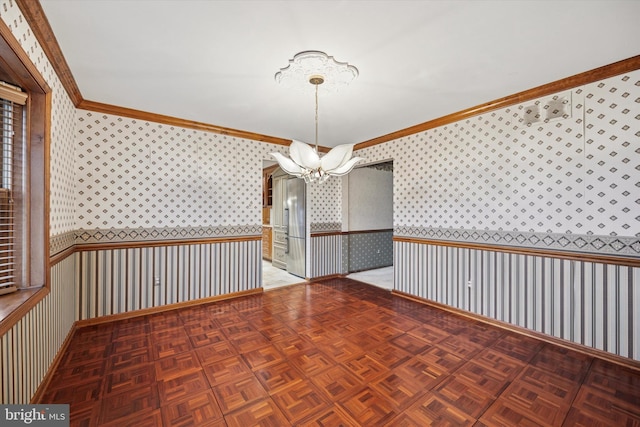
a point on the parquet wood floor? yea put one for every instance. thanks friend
(332, 353)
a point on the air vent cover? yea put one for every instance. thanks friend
(556, 107)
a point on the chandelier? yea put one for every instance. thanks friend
(305, 162)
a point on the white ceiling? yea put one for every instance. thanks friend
(214, 61)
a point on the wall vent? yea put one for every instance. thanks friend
(553, 108)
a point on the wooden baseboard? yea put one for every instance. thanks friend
(589, 351)
(330, 276)
(39, 394)
(163, 308)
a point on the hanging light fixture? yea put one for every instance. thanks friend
(316, 68)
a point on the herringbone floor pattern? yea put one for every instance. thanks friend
(332, 353)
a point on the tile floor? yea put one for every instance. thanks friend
(380, 277)
(273, 277)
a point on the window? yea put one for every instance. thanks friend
(24, 182)
(11, 184)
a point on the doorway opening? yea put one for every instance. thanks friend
(279, 267)
(369, 218)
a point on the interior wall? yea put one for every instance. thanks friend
(31, 345)
(141, 181)
(327, 243)
(568, 184)
(140, 174)
(369, 217)
(370, 199)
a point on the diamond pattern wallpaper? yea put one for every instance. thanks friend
(612, 156)
(509, 176)
(571, 182)
(31, 345)
(62, 157)
(326, 202)
(137, 174)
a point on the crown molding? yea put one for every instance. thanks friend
(574, 81)
(41, 28)
(39, 24)
(99, 107)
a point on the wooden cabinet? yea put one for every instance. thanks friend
(267, 185)
(267, 243)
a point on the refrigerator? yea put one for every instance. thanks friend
(296, 226)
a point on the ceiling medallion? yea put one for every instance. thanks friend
(309, 63)
(318, 69)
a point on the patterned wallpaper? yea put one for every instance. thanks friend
(370, 250)
(567, 183)
(62, 163)
(326, 205)
(134, 174)
(62, 124)
(31, 345)
(574, 176)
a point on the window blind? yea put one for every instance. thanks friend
(11, 185)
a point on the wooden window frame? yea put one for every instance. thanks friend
(11, 180)
(18, 69)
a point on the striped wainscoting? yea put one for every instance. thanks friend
(31, 345)
(120, 280)
(326, 254)
(588, 303)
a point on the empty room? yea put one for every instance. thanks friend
(329, 213)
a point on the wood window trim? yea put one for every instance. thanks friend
(16, 65)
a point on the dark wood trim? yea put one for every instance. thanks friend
(39, 24)
(25, 74)
(587, 77)
(85, 247)
(382, 230)
(330, 276)
(42, 388)
(173, 121)
(600, 354)
(36, 295)
(329, 233)
(44, 192)
(269, 169)
(82, 247)
(163, 308)
(61, 256)
(576, 256)
(349, 233)
(39, 394)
